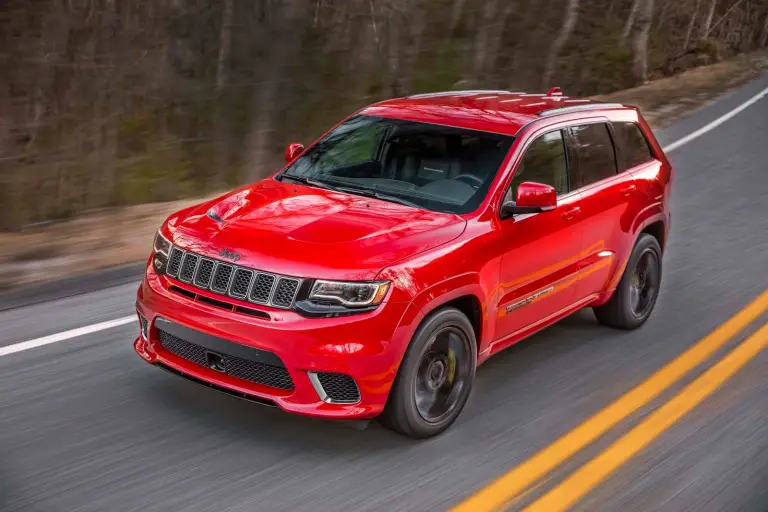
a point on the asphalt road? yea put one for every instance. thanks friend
(85, 425)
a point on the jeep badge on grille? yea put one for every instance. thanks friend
(226, 253)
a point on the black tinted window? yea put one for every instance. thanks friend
(594, 152)
(634, 143)
(544, 162)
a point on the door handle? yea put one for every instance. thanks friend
(571, 212)
(628, 189)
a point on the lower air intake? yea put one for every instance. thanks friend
(339, 388)
(245, 369)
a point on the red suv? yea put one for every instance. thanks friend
(414, 240)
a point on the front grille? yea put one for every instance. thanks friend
(227, 279)
(340, 388)
(252, 371)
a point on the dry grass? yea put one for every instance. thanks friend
(89, 242)
(120, 236)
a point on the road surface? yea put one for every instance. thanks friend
(85, 425)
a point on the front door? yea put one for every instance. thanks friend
(540, 264)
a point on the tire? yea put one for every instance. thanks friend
(623, 311)
(422, 361)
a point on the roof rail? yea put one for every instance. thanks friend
(577, 108)
(452, 93)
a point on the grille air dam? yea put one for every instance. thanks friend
(238, 360)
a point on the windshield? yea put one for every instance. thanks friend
(434, 167)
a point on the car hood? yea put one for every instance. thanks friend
(309, 232)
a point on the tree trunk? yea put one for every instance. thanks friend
(479, 62)
(640, 41)
(764, 37)
(225, 46)
(265, 106)
(393, 53)
(569, 23)
(708, 20)
(456, 12)
(220, 128)
(691, 24)
(630, 21)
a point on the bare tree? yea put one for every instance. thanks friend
(456, 11)
(630, 20)
(570, 17)
(481, 56)
(108, 102)
(222, 79)
(764, 36)
(691, 24)
(640, 40)
(708, 19)
(265, 106)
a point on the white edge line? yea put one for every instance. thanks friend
(717, 122)
(61, 336)
(82, 331)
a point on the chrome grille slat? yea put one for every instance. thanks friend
(225, 279)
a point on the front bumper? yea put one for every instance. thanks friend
(367, 347)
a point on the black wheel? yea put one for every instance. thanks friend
(435, 378)
(634, 298)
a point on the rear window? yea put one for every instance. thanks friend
(595, 154)
(637, 151)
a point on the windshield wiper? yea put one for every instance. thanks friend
(308, 181)
(378, 195)
(351, 190)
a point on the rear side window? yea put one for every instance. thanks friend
(636, 148)
(544, 162)
(595, 154)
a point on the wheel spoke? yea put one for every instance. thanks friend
(442, 373)
(644, 284)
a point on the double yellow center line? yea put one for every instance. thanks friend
(511, 485)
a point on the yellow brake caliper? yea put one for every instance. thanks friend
(451, 366)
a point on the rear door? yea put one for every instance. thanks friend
(609, 200)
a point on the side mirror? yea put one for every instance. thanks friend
(293, 150)
(531, 198)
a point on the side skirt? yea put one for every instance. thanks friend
(532, 329)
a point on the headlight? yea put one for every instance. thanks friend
(160, 252)
(349, 294)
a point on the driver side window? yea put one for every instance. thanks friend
(544, 162)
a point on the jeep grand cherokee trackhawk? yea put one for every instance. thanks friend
(414, 240)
